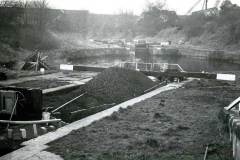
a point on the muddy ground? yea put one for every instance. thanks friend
(177, 124)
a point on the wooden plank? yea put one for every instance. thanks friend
(88, 68)
(182, 74)
(30, 122)
(61, 88)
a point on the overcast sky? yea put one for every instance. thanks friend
(114, 6)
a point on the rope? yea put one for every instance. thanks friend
(65, 104)
(13, 110)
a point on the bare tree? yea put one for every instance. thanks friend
(39, 4)
(11, 3)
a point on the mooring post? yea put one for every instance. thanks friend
(237, 149)
(10, 133)
(235, 125)
(23, 133)
(35, 132)
(230, 126)
(60, 124)
(237, 146)
(44, 130)
(238, 108)
(52, 128)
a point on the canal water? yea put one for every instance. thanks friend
(187, 63)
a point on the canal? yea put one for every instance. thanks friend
(187, 63)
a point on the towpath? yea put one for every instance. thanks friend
(34, 149)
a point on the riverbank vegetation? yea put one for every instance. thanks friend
(33, 25)
(214, 28)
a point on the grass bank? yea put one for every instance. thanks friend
(177, 124)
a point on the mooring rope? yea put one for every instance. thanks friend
(13, 110)
(68, 102)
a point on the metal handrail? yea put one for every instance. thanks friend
(162, 66)
(82, 110)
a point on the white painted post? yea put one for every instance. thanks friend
(23, 133)
(10, 133)
(35, 132)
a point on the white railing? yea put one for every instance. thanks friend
(232, 111)
(150, 67)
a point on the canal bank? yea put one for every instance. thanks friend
(34, 148)
(211, 54)
(167, 125)
(177, 124)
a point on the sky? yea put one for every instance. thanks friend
(135, 6)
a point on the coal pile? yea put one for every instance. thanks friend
(112, 86)
(115, 85)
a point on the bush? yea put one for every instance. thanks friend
(31, 38)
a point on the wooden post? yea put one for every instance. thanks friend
(35, 132)
(52, 128)
(23, 133)
(237, 145)
(235, 125)
(230, 127)
(238, 108)
(60, 124)
(205, 154)
(44, 130)
(237, 150)
(37, 61)
(10, 133)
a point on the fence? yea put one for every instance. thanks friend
(234, 127)
(151, 67)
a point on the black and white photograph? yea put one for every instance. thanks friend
(119, 79)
